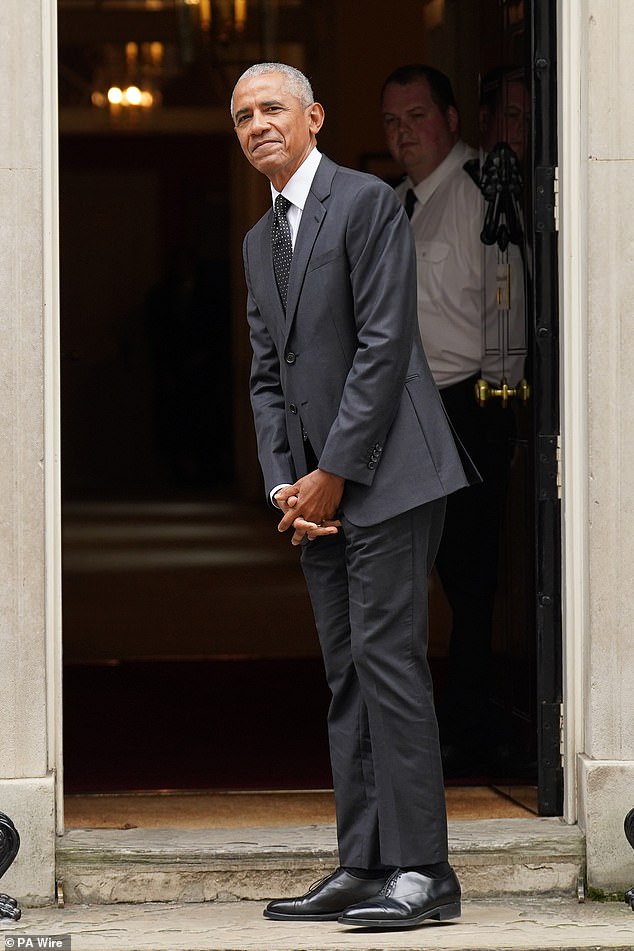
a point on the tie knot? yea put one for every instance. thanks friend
(410, 201)
(282, 205)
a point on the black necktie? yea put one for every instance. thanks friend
(410, 201)
(282, 246)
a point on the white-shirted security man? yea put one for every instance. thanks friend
(445, 205)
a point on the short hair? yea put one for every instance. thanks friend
(439, 84)
(298, 85)
(492, 82)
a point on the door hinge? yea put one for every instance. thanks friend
(547, 198)
(551, 729)
(549, 465)
(562, 738)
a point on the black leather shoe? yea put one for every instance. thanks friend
(406, 900)
(325, 900)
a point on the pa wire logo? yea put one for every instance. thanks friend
(19, 942)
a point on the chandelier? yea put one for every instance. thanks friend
(182, 38)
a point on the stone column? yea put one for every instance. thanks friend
(27, 669)
(606, 766)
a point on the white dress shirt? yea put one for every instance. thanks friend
(296, 191)
(454, 291)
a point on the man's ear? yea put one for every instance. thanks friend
(483, 120)
(453, 119)
(316, 116)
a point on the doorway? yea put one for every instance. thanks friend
(175, 644)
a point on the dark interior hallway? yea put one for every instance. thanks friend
(191, 655)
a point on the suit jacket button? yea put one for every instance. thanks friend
(292, 408)
(371, 465)
(290, 357)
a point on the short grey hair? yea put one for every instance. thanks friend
(296, 83)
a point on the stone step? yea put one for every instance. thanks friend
(494, 858)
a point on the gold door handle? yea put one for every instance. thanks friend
(484, 392)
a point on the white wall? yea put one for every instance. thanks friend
(26, 782)
(606, 707)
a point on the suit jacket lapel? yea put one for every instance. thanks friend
(310, 224)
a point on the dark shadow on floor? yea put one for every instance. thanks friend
(203, 724)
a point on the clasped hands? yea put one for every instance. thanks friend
(309, 505)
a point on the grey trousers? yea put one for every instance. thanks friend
(368, 588)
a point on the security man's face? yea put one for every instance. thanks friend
(418, 134)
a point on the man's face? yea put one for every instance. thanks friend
(275, 132)
(419, 136)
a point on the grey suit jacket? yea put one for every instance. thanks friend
(345, 362)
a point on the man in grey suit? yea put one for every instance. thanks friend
(357, 454)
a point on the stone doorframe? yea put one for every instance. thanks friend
(573, 345)
(596, 146)
(596, 204)
(30, 562)
(52, 389)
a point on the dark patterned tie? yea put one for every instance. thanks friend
(282, 247)
(410, 201)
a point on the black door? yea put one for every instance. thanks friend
(545, 350)
(513, 66)
(529, 670)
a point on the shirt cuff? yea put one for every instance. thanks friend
(277, 488)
